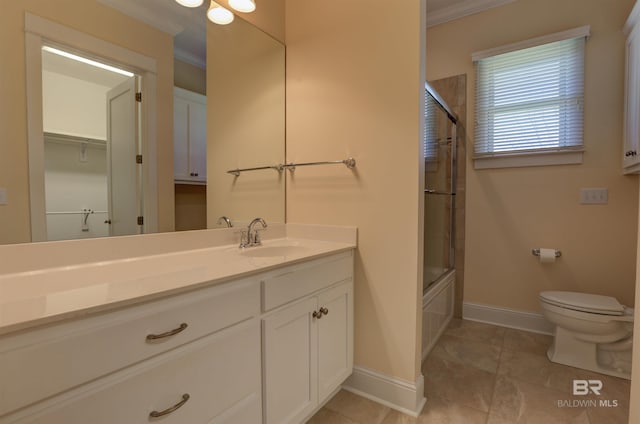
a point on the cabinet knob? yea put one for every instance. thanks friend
(108, 221)
(318, 314)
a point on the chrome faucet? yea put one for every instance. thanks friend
(251, 237)
(226, 221)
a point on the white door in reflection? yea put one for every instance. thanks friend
(123, 170)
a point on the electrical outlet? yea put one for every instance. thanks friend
(3, 196)
(594, 196)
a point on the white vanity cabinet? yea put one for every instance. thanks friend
(189, 137)
(308, 343)
(266, 348)
(631, 147)
(213, 380)
(123, 365)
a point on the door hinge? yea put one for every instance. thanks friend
(138, 97)
(138, 158)
(140, 220)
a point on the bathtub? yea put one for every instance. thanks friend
(437, 309)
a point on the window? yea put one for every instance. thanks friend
(431, 133)
(529, 100)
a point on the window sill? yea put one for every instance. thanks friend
(518, 160)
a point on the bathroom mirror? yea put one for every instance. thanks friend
(246, 126)
(245, 118)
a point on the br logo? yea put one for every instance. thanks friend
(584, 387)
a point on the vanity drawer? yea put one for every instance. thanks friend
(219, 373)
(45, 362)
(298, 281)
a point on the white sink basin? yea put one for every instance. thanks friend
(273, 251)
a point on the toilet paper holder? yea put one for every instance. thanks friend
(536, 252)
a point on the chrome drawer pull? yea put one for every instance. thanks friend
(182, 327)
(156, 414)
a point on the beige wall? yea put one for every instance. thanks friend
(99, 21)
(189, 77)
(354, 88)
(268, 16)
(191, 207)
(510, 211)
(246, 123)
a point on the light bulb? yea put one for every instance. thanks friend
(219, 15)
(190, 3)
(245, 6)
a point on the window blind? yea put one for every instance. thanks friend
(530, 100)
(431, 133)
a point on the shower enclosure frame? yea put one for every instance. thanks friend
(429, 90)
(439, 292)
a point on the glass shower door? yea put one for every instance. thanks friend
(439, 151)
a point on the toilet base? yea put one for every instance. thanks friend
(568, 350)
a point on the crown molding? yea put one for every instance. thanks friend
(188, 57)
(462, 9)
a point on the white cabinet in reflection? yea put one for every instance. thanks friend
(189, 137)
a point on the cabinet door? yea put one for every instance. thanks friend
(290, 358)
(198, 141)
(180, 139)
(631, 151)
(335, 338)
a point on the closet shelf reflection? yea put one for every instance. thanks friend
(72, 139)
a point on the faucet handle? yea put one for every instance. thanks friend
(256, 238)
(244, 238)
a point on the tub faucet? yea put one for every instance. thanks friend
(252, 237)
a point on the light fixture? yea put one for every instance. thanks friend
(87, 61)
(190, 3)
(219, 15)
(244, 6)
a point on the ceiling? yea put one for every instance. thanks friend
(189, 26)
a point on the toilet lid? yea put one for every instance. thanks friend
(593, 303)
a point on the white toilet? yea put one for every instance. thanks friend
(592, 332)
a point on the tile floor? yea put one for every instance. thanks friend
(479, 373)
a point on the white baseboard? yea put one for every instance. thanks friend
(505, 317)
(398, 394)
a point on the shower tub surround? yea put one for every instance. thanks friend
(133, 337)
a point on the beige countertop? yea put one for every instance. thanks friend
(44, 296)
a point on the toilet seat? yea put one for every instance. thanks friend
(583, 302)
